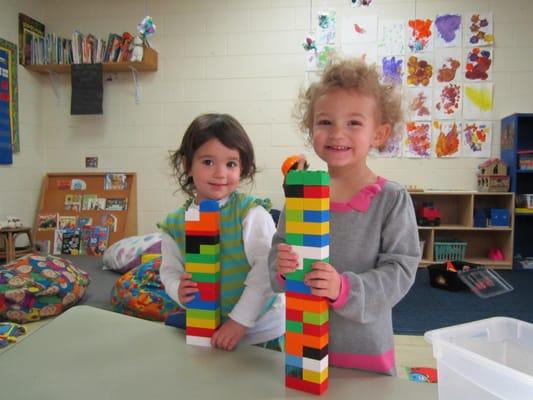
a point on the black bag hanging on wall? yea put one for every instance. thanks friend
(87, 89)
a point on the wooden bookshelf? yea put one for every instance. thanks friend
(52, 200)
(149, 63)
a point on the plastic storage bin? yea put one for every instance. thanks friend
(484, 360)
(449, 250)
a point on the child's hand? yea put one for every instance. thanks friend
(324, 280)
(186, 288)
(228, 335)
(286, 261)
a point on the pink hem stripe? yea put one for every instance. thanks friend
(384, 363)
(360, 201)
(343, 295)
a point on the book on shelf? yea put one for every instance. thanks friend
(30, 30)
(114, 181)
(67, 222)
(73, 202)
(83, 221)
(94, 240)
(47, 221)
(110, 221)
(117, 204)
(70, 242)
(89, 202)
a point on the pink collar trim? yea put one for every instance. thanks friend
(360, 201)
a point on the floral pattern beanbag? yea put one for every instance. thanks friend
(34, 287)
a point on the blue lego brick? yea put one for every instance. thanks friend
(316, 240)
(295, 372)
(296, 287)
(209, 205)
(293, 361)
(316, 216)
(202, 304)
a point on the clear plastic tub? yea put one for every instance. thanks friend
(484, 360)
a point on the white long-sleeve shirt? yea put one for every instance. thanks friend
(257, 231)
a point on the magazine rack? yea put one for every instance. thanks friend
(56, 187)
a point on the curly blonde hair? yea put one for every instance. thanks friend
(350, 74)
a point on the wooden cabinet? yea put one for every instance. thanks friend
(457, 223)
(516, 151)
(149, 63)
(54, 192)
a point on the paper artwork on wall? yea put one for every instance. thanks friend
(326, 30)
(477, 101)
(393, 145)
(419, 103)
(447, 101)
(391, 37)
(357, 29)
(392, 70)
(478, 29)
(417, 143)
(477, 139)
(419, 69)
(478, 64)
(448, 65)
(448, 32)
(317, 60)
(420, 35)
(364, 51)
(446, 138)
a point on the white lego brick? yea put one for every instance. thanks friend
(192, 214)
(198, 341)
(315, 365)
(312, 253)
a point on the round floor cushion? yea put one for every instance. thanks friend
(140, 293)
(34, 287)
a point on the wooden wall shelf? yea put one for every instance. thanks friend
(149, 63)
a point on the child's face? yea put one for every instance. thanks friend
(215, 170)
(345, 128)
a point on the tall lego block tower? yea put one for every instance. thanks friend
(202, 261)
(307, 329)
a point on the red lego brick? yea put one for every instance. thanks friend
(204, 332)
(316, 330)
(316, 192)
(309, 387)
(294, 315)
(209, 291)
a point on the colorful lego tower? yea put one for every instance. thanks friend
(202, 261)
(307, 231)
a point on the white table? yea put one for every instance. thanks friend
(89, 353)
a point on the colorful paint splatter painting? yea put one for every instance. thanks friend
(419, 34)
(479, 29)
(391, 37)
(478, 64)
(447, 101)
(392, 147)
(448, 30)
(446, 138)
(419, 103)
(477, 101)
(327, 29)
(392, 70)
(318, 59)
(447, 65)
(477, 138)
(418, 139)
(419, 70)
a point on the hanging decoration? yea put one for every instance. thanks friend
(146, 28)
(359, 3)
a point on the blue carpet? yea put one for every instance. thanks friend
(425, 308)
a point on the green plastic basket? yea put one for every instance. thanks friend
(450, 250)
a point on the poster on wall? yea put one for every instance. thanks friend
(9, 138)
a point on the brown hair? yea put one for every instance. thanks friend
(225, 129)
(350, 74)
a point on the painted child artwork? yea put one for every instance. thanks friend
(393, 145)
(478, 64)
(419, 70)
(391, 37)
(477, 139)
(447, 101)
(477, 101)
(448, 30)
(478, 29)
(392, 70)
(319, 59)
(446, 138)
(419, 103)
(417, 142)
(419, 34)
(357, 29)
(448, 65)
(327, 27)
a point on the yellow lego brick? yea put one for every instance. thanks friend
(294, 203)
(314, 376)
(310, 228)
(203, 268)
(202, 323)
(316, 204)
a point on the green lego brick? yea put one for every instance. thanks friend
(210, 249)
(203, 314)
(295, 239)
(294, 215)
(294, 178)
(297, 275)
(308, 262)
(294, 326)
(202, 277)
(202, 258)
(315, 318)
(317, 178)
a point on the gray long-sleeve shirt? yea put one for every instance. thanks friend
(374, 245)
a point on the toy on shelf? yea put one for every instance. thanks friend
(492, 176)
(427, 214)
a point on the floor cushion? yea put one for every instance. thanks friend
(127, 253)
(34, 287)
(140, 293)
